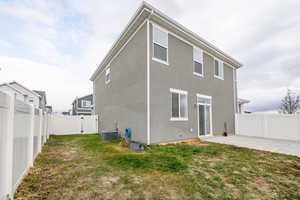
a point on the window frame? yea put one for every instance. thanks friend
(167, 46)
(194, 60)
(82, 102)
(107, 72)
(180, 92)
(220, 67)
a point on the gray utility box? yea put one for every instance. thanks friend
(110, 136)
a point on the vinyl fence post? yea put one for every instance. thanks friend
(8, 173)
(31, 135)
(40, 131)
(47, 126)
(44, 127)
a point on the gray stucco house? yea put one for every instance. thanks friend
(83, 105)
(165, 82)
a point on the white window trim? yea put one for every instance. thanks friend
(203, 96)
(167, 32)
(107, 71)
(160, 61)
(202, 62)
(220, 62)
(172, 90)
(191, 44)
(86, 101)
(197, 74)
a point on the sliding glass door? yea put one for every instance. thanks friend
(204, 115)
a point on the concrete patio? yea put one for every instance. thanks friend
(273, 145)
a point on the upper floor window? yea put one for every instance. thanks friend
(160, 44)
(85, 103)
(198, 61)
(107, 75)
(219, 69)
(179, 104)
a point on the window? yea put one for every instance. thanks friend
(85, 104)
(219, 69)
(107, 75)
(198, 61)
(160, 45)
(179, 105)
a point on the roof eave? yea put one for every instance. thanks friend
(150, 9)
(140, 10)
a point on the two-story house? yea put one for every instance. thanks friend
(34, 97)
(83, 105)
(43, 99)
(165, 82)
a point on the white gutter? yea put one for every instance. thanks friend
(148, 79)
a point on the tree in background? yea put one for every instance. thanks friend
(290, 104)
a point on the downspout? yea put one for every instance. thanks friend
(148, 78)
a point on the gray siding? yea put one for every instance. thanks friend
(179, 75)
(86, 98)
(123, 100)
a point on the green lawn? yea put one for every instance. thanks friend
(83, 167)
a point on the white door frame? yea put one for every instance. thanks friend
(210, 110)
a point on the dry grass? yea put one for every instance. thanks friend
(83, 167)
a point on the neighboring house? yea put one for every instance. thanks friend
(49, 109)
(241, 105)
(43, 99)
(29, 96)
(165, 82)
(66, 113)
(83, 105)
(6, 87)
(34, 97)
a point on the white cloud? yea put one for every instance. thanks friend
(61, 86)
(74, 35)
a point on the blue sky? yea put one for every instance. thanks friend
(56, 45)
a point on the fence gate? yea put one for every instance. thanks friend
(69, 125)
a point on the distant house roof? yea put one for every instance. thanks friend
(146, 11)
(82, 97)
(12, 87)
(32, 92)
(243, 101)
(41, 93)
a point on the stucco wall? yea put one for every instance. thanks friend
(123, 100)
(179, 75)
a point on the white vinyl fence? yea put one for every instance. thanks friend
(23, 131)
(286, 127)
(68, 125)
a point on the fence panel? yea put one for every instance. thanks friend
(21, 141)
(274, 126)
(283, 127)
(68, 125)
(89, 124)
(250, 125)
(65, 125)
(4, 138)
(36, 132)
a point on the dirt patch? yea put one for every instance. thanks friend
(187, 141)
